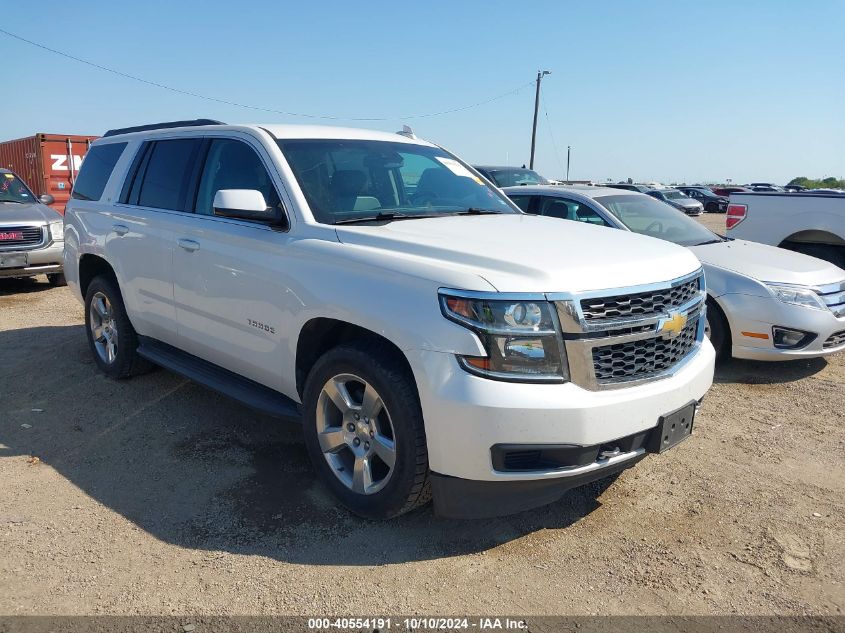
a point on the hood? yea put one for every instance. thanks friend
(687, 203)
(768, 263)
(528, 253)
(35, 212)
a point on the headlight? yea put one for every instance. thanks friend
(520, 338)
(797, 295)
(57, 231)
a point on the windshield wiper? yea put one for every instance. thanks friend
(718, 240)
(382, 217)
(475, 211)
(14, 201)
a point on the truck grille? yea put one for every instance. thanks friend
(834, 340)
(632, 335)
(639, 304)
(20, 236)
(643, 358)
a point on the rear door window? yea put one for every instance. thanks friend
(167, 174)
(96, 170)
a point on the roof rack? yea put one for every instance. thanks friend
(162, 126)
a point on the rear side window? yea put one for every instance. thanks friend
(96, 169)
(167, 174)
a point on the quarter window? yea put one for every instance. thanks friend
(232, 164)
(165, 183)
(96, 170)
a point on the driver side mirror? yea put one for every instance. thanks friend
(242, 204)
(46, 199)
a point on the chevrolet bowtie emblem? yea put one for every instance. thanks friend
(673, 325)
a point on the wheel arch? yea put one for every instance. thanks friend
(91, 266)
(321, 334)
(813, 236)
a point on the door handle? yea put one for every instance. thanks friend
(120, 229)
(188, 245)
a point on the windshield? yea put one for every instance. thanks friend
(514, 177)
(647, 216)
(675, 195)
(12, 189)
(358, 180)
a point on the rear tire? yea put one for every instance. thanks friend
(111, 337)
(378, 415)
(56, 279)
(718, 330)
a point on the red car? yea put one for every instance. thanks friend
(727, 191)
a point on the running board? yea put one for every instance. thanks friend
(249, 392)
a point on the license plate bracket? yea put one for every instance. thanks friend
(672, 429)
(13, 260)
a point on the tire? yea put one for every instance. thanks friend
(348, 373)
(718, 330)
(111, 337)
(828, 252)
(56, 279)
(712, 207)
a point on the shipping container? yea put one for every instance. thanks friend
(48, 163)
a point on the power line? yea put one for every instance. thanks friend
(197, 95)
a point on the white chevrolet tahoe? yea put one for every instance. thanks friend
(432, 339)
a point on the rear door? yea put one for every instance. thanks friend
(140, 241)
(232, 286)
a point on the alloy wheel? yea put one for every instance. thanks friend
(356, 434)
(103, 328)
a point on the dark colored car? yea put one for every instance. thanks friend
(678, 199)
(727, 191)
(712, 203)
(510, 176)
(794, 188)
(627, 186)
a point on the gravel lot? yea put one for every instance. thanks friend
(157, 496)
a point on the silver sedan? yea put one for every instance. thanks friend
(764, 303)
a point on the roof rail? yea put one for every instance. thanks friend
(162, 126)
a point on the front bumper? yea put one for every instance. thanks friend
(41, 261)
(744, 314)
(465, 415)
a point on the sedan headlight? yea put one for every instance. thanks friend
(520, 337)
(797, 295)
(57, 231)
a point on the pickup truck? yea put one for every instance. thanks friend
(809, 223)
(432, 340)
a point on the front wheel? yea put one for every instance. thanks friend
(364, 431)
(717, 330)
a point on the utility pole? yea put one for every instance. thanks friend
(540, 75)
(568, 151)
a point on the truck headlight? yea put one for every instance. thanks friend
(797, 295)
(520, 337)
(57, 231)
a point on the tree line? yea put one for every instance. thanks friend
(819, 183)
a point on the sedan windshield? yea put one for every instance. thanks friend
(349, 181)
(647, 216)
(12, 189)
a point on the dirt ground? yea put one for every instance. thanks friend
(157, 496)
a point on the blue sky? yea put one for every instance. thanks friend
(670, 91)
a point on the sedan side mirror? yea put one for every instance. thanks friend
(46, 199)
(242, 204)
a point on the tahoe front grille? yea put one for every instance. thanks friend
(643, 358)
(639, 304)
(834, 340)
(20, 236)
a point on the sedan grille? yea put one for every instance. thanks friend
(20, 236)
(834, 340)
(641, 304)
(644, 358)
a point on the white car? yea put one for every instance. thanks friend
(431, 338)
(765, 303)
